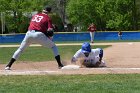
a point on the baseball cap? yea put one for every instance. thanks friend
(47, 9)
(86, 48)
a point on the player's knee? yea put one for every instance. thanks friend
(20, 50)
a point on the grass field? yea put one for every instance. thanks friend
(111, 83)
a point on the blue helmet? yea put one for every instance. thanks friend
(86, 47)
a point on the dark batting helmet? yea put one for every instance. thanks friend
(47, 9)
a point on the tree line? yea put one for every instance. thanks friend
(108, 15)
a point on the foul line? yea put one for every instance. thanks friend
(17, 72)
(68, 44)
(118, 68)
(62, 71)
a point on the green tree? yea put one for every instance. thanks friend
(137, 2)
(81, 12)
(17, 13)
(120, 13)
(106, 14)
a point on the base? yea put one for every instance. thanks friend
(71, 67)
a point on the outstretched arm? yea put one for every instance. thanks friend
(73, 60)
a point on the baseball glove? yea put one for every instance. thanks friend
(49, 33)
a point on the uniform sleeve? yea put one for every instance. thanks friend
(76, 56)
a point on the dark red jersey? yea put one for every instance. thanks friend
(92, 28)
(40, 22)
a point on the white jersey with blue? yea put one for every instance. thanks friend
(93, 56)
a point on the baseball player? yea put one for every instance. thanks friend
(39, 31)
(92, 29)
(89, 57)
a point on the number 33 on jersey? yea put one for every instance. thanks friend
(37, 18)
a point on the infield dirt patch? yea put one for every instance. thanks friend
(120, 58)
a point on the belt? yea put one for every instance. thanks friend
(34, 30)
(37, 31)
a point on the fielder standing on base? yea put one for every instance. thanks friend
(39, 31)
(89, 57)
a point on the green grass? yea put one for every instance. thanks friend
(38, 54)
(110, 83)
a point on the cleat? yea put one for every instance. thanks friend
(92, 42)
(59, 67)
(7, 68)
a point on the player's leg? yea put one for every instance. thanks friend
(46, 42)
(102, 64)
(57, 56)
(91, 37)
(18, 52)
(98, 59)
(100, 54)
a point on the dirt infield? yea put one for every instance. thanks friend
(121, 58)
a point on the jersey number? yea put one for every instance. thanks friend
(37, 18)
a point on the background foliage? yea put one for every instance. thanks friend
(106, 14)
